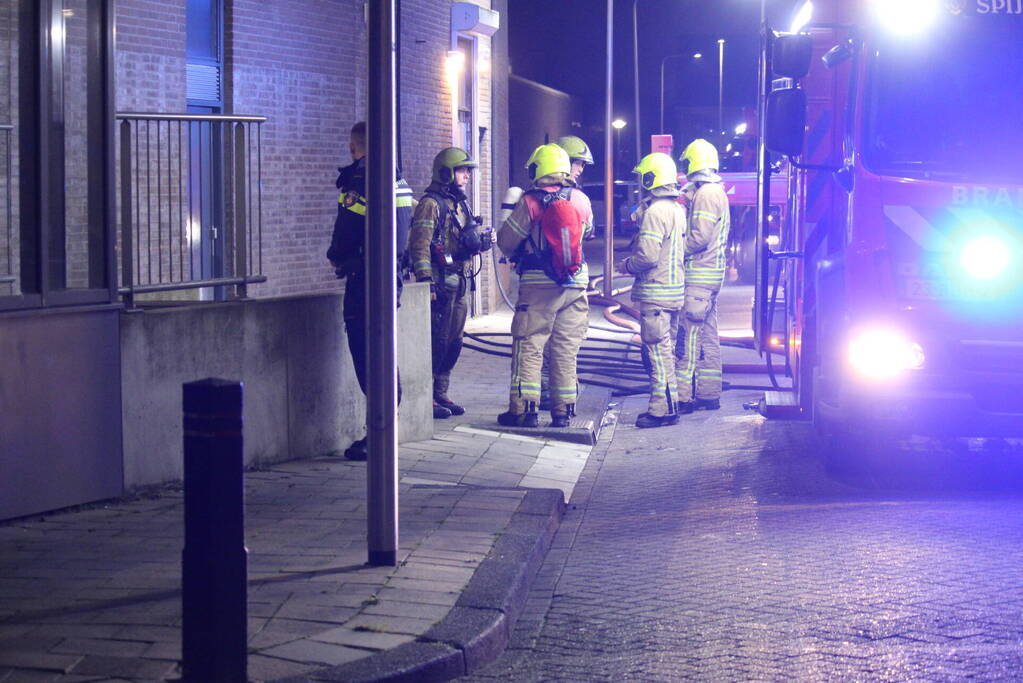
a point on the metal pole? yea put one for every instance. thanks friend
(609, 185)
(635, 77)
(661, 129)
(721, 85)
(214, 561)
(381, 292)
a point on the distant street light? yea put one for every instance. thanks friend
(741, 128)
(698, 55)
(618, 124)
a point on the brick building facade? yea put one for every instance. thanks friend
(303, 66)
(89, 386)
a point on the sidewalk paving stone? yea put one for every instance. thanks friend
(94, 593)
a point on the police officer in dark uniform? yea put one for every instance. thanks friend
(347, 254)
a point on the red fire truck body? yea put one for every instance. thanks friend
(900, 263)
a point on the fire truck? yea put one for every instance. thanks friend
(897, 274)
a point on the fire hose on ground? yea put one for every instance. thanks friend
(623, 368)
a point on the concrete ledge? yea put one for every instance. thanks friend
(301, 399)
(478, 627)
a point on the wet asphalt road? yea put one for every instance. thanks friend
(725, 549)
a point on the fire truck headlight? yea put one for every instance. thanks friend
(985, 258)
(881, 353)
(906, 16)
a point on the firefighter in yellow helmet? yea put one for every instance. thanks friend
(444, 239)
(657, 262)
(579, 154)
(699, 348)
(551, 305)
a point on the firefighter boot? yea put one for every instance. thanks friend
(527, 419)
(440, 412)
(445, 402)
(647, 421)
(560, 419)
(357, 451)
(685, 407)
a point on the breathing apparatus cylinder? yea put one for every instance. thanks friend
(511, 198)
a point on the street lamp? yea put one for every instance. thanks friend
(721, 84)
(696, 56)
(618, 124)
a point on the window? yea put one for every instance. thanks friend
(56, 182)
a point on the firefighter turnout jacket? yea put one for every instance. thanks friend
(429, 242)
(657, 260)
(707, 237)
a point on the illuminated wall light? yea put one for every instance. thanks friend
(454, 63)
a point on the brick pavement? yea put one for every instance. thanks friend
(728, 553)
(94, 594)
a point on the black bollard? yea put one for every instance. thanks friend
(214, 560)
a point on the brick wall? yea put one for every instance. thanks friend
(303, 66)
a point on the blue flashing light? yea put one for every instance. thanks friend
(986, 257)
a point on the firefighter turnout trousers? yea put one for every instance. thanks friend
(698, 349)
(544, 312)
(447, 324)
(659, 329)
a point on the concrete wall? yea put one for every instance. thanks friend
(60, 423)
(301, 396)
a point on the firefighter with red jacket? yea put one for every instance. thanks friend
(699, 347)
(546, 308)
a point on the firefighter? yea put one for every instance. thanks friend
(581, 157)
(443, 242)
(578, 152)
(347, 254)
(545, 309)
(657, 264)
(699, 348)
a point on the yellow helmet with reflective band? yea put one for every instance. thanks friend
(657, 170)
(547, 160)
(447, 160)
(576, 148)
(700, 155)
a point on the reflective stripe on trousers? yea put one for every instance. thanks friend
(698, 348)
(545, 312)
(658, 330)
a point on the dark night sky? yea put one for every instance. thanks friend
(561, 43)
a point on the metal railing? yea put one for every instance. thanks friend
(191, 202)
(7, 276)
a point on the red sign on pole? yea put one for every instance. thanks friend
(661, 143)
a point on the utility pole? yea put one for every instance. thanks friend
(381, 293)
(609, 185)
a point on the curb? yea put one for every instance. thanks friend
(478, 627)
